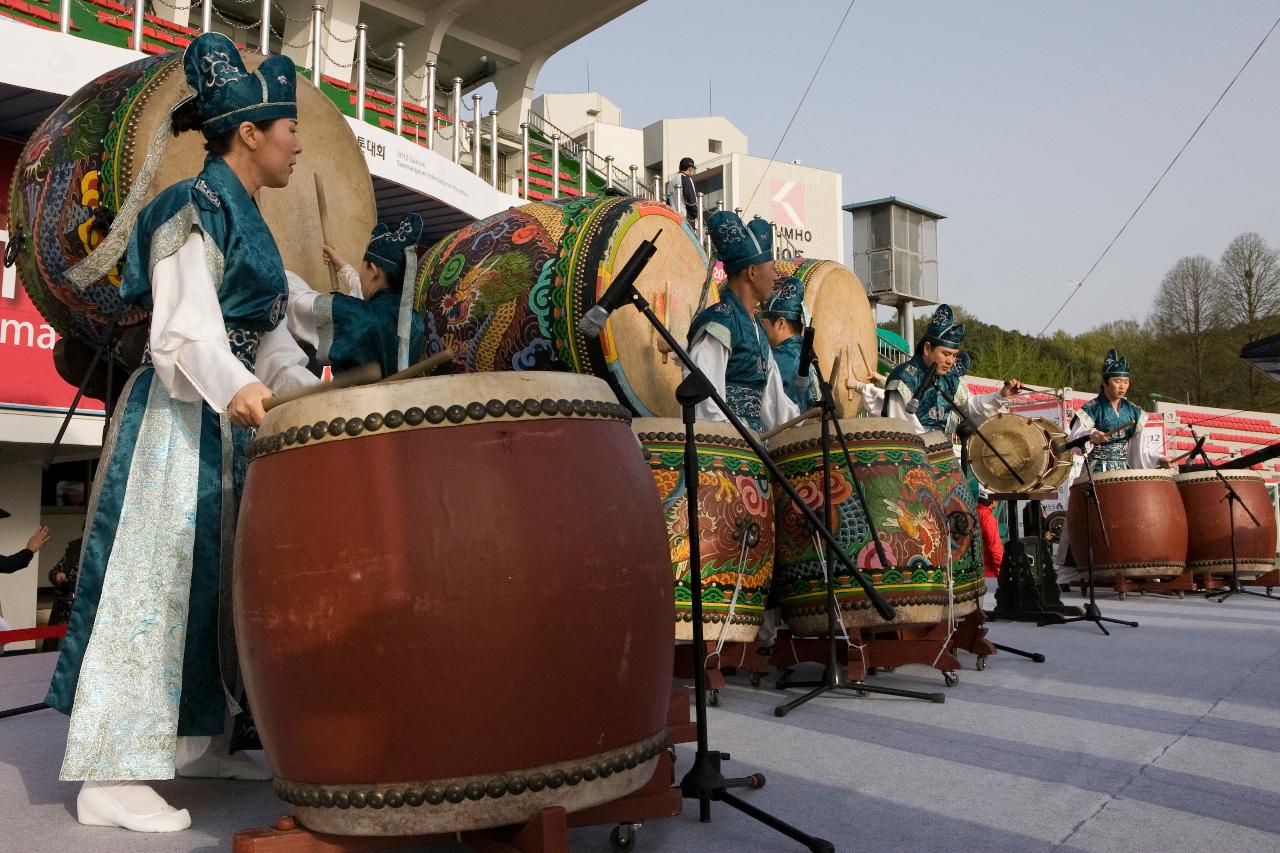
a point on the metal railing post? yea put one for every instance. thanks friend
(634, 168)
(317, 52)
(493, 148)
(431, 103)
(362, 57)
(657, 188)
(584, 182)
(608, 173)
(524, 160)
(398, 82)
(477, 144)
(64, 17)
(457, 119)
(206, 16)
(264, 29)
(555, 165)
(139, 15)
(701, 234)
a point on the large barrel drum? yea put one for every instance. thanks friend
(1146, 525)
(844, 324)
(479, 625)
(735, 525)
(1209, 523)
(906, 510)
(965, 536)
(80, 165)
(508, 293)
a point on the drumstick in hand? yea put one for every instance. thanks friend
(324, 230)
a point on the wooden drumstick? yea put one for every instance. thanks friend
(324, 230)
(427, 365)
(783, 427)
(362, 375)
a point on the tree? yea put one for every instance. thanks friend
(1248, 279)
(1184, 314)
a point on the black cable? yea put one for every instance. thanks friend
(1142, 203)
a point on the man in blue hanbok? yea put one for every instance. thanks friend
(782, 316)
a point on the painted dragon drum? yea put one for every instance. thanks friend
(735, 525)
(965, 537)
(1146, 524)
(844, 324)
(97, 159)
(906, 508)
(1209, 523)
(478, 627)
(508, 293)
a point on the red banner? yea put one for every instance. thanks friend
(27, 374)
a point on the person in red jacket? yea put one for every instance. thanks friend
(992, 547)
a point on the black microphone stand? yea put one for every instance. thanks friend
(1231, 497)
(1091, 611)
(833, 675)
(965, 420)
(704, 781)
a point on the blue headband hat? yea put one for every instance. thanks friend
(1114, 365)
(943, 330)
(786, 301)
(737, 245)
(227, 93)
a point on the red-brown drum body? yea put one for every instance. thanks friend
(453, 602)
(1209, 524)
(1146, 524)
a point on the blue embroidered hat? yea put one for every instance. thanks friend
(943, 330)
(227, 93)
(786, 301)
(737, 245)
(387, 246)
(1114, 365)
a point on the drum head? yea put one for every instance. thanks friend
(843, 322)
(329, 149)
(1023, 445)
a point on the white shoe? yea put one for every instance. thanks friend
(100, 804)
(213, 766)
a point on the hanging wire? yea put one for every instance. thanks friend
(812, 79)
(1166, 171)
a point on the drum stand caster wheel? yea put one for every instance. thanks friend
(756, 678)
(862, 694)
(951, 679)
(888, 668)
(713, 698)
(623, 836)
(1120, 595)
(981, 663)
(1179, 594)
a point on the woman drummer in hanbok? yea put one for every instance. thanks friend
(1114, 424)
(375, 320)
(148, 671)
(939, 353)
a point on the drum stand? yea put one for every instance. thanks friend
(1091, 611)
(1232, 497)
(704, 782)
(966, 422)
(833, 676)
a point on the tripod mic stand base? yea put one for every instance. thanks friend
(859, 688)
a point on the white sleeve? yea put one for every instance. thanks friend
(1139, 455)
(189, 345)
(351, 279)
(776, 407)
(712, 357)
(281, 364)
(895, 408)
(872, 397)
(979, 407)
(300, 313)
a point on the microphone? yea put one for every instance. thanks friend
(806, 359)
(914, 403)
(592, 323)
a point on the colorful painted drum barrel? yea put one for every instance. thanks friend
(80, 165)
(1209, 524)
(961, 508)
(735, 525)
(508, 292)
(477, 627)
(1146, 524)
(844, 324)
(906, 509)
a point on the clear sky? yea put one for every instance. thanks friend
(1036, 127)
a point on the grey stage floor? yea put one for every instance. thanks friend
(1161, 738)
